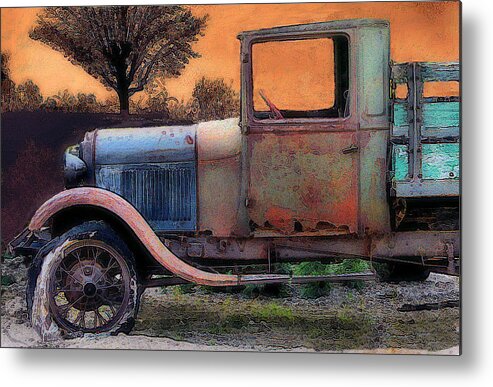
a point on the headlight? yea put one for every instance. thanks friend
(74, 168)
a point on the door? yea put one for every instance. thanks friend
(303, 150)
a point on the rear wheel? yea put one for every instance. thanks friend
(83, 282)
(400, 272)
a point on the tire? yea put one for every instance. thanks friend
(83, 281)
(401, 272)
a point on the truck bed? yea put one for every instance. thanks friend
(425, 138)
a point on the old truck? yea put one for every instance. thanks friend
(326, 162)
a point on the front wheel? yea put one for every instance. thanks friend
(83, 282)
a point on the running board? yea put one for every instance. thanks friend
(270, 279)
(284, 278)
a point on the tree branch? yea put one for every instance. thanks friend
(143, 79)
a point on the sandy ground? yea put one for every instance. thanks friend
(347, 320)
(18, 334)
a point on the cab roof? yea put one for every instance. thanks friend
(315, 27)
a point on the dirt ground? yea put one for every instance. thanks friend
(371, 319)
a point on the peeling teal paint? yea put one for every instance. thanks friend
(400, 161)
(441, 161)
(400, 115)
(435, 115)
(441, 114)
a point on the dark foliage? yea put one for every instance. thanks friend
(25, 96)
(4, 63)
(124, 47)
(64, 101)
(8, 86)
(155, 101)
(26, 185)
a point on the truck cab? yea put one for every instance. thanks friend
(317, 162)
(324, 163)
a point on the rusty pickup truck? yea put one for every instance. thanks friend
(326, 162)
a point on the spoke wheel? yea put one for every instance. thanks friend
(83, 281)
(89, 287)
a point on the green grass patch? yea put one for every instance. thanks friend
(231, 318)
(272, 312)
(186, 288)
(319, 289)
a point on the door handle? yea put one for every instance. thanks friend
(350, 149)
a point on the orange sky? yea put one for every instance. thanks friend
(427, 31)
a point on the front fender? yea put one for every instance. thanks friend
(97, 197)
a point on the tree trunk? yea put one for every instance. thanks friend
(124, 101)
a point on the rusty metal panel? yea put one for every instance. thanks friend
(219, 183)
(374, 208)
(219, 176)
(417, 243)
(303, 182)
(423, 244)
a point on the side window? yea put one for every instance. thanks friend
(306, 78)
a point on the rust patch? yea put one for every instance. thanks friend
(325, 226)
(280, 218)
(303, 177)
(311, 196)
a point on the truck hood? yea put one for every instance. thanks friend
(144, 145)
(213, 140)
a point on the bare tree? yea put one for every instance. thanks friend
(124, 47)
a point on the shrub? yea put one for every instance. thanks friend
(179, 111)
(29, 96)
(270, 290)
(216, 100)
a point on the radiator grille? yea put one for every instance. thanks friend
(164, 194)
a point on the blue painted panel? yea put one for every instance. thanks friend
(145, 145)
(165, 194)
